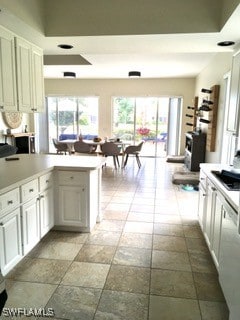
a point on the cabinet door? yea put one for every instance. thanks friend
(232, 120)
(10, 241)
(8, 95)
(38, 81)
(211, 195)
(217, 222)
(30, 224)
(24, 75)
(46, 211)
(202, 207)
(72, 206)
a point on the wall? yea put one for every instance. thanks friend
(27, 119)
(106, 89)
(211, 75)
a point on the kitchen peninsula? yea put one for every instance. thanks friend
(41, 192)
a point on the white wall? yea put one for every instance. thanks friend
(106, 89)
(212, 75)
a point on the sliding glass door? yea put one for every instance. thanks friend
(70, 116)
(147, 119)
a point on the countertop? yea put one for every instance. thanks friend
(233, 197)
(33, 165)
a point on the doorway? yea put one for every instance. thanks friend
(155, 120)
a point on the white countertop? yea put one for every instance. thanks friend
(33, 165)
(232, 196)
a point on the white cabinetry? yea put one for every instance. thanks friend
(233, 111)
(73, 195)
(30, 215)
(46, 208)
(10, 230)
(8, 93)
(29, 77)
(212, 205)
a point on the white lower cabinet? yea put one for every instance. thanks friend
(72, 206)
(46, 211)
(30, 224)
(216, 229)
(10, 241)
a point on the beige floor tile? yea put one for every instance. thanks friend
(111, 225)
(115, 215)
(170, 260)
(140, 217)
(28, 294)
(197, 245)
(84, 274)
(202, 262)
(122, 306)
(132, 257)
(168, 308)
(208, 287)
(108, 238)
(173, 284)
(136, 240)
(130, 279)
(169, 243)
(147, 208)
(74, 303)
(168, 229)
(96, 254)
(56, 250)
(214, 310)
(40, 270)
(138, 227)
(167, 218)
(193, 232)
(63, 236)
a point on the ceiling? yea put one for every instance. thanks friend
(155, 56)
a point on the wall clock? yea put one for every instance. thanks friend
(12, 119)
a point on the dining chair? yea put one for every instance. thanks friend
(83, 147)
(134, 150)
(111, 149)
(61, 147)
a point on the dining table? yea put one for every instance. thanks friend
(122, 144)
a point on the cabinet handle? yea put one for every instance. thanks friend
(1, 107)
(10, 202)
(1, 224)
(213, 189)
(31, 190)
(71, 177)
(47, 181)
(202, 178)
(42, 196)
(83, 189)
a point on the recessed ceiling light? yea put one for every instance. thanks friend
(226, 43)
(65, 46)
(134, 74)
(69, 74)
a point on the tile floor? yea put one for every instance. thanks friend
(146, 260)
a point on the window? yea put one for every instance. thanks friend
(70, 116)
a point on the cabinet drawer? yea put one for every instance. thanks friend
(72, 178)
(9, 200)
(46, 181)
(29, 190)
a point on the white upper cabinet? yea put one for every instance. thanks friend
(233, 113)
(29, 77)
(8, 94)
(21, 74)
